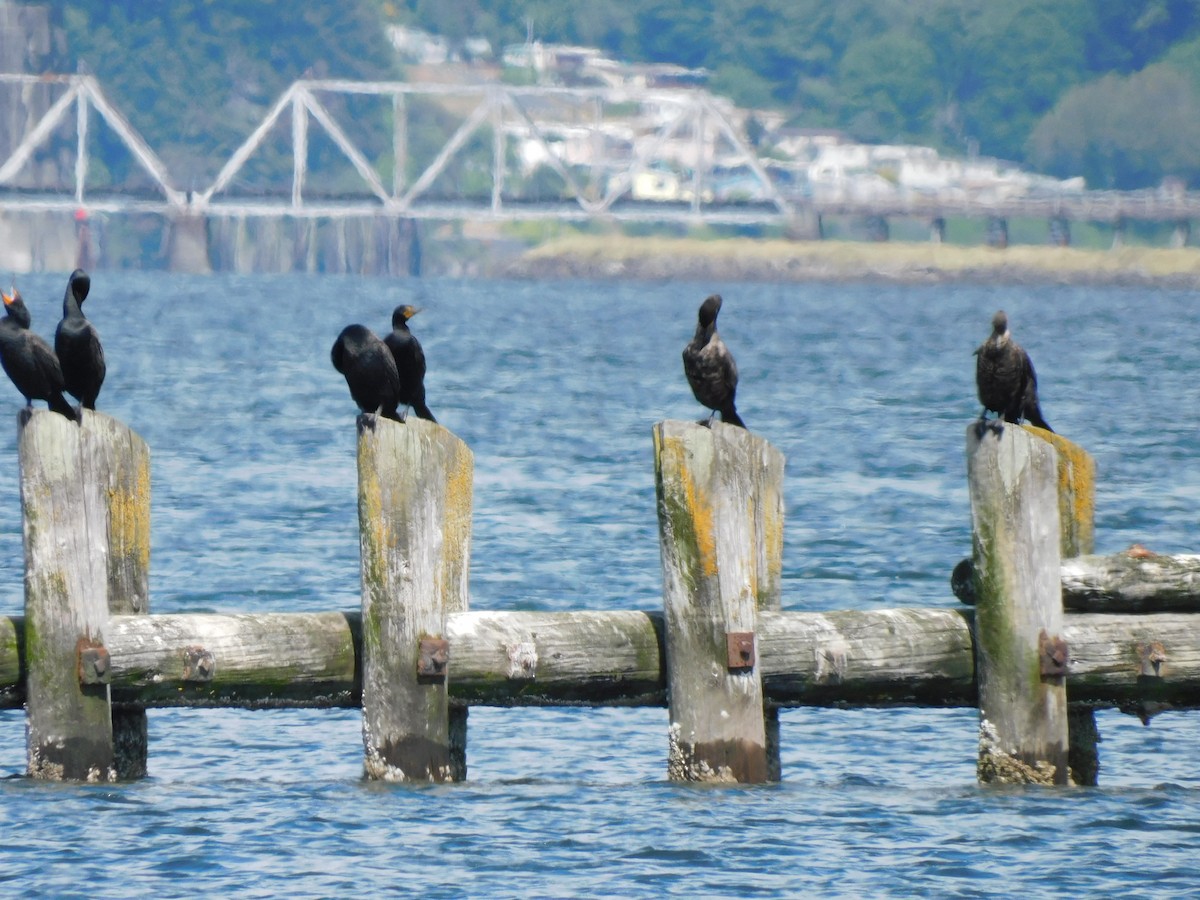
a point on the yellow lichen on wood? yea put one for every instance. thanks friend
(456, 547)
(699, 508)
(772, 542)
(376, 531)
(1076, 493)
(129, 517)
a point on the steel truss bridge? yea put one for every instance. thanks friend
(485, 122)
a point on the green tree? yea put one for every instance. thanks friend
(1114, 132)
(195, 76)
(889, 88)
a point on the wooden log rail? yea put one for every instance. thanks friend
(723, 657)
(876, 658)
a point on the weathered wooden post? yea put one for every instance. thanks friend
(1077, 520)
(1021, 658)
(414, 512)
(69, 723)
(720, 514)
(123, 470)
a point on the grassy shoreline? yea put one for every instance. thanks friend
(619, 256)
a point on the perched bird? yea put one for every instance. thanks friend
(78, 345)
(1005, 378)
(410, 361)
(369, 369)
(709, 366)
(28, 360)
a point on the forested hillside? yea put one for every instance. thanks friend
(196, 76)
(1109, 89)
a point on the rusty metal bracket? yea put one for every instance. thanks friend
(1053, 655)
(92, 662)
(1152, 656)
(433, 659)
(198, 664)
(739, 646)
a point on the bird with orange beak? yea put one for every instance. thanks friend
(28, 360)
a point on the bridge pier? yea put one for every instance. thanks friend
(1182, 233)
(997, 232)
(187, 244)
(1060, 232)
(877, 229)
(1118, 240)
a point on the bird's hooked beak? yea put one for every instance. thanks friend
(9, 298)
(410, 311)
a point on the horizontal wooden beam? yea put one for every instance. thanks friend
(897, 657)
(1135, 581)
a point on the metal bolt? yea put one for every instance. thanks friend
(93, 662)
(433, 659)
(1053, 655)
(739, 647)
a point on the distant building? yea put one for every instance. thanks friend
(417, 46)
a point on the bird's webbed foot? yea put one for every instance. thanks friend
(365, 422)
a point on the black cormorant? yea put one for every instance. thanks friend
(78, 345)
(709, 366)
(28, 360)
(410, 361)
(1005, 378)
(369, 369)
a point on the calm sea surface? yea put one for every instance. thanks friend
(866, 389)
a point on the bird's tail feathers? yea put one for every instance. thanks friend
(1034, 416)
(730, 416)
(422, 412)
(60, 405)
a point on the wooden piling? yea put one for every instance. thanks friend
(1077, 537)
(123, 470)
(69, 723)
(1020, 652)
(414, 508)
(720, 514)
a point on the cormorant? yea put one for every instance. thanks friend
(369, 369)
(78, 344)
(1005, 378)
(29, 361)
(410, 361)
(709, 366)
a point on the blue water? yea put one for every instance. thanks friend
(867, 390)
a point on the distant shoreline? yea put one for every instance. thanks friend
(743, 259)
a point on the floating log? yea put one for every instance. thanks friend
(414, 509)
(719, 498)
(1021, 655)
